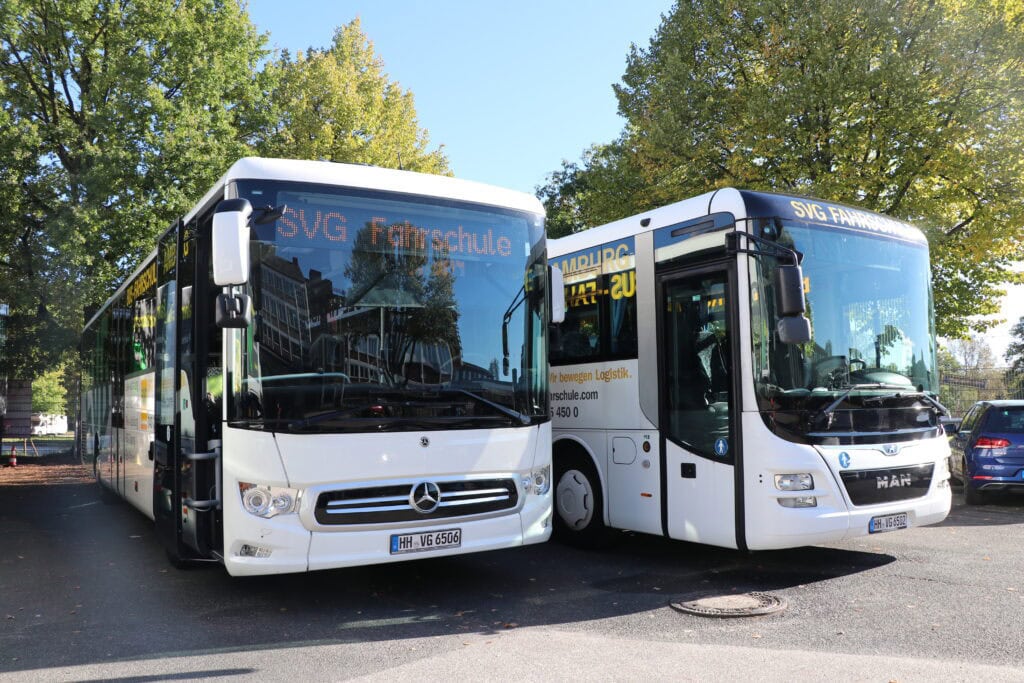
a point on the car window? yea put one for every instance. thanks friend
(1005, 420)
(969, 419)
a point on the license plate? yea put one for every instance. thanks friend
(888, 523)
(427, 540)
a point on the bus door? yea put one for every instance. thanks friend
(199, 369)
(183, 503)
(166, 464)
(698, 403)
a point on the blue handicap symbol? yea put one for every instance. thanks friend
(844, 459)
(721, 447)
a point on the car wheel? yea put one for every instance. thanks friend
(579, 503)
(972, 496)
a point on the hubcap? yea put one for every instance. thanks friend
(575, 499)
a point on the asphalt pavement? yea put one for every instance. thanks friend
(86, 594)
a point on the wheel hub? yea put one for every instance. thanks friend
(575, 498)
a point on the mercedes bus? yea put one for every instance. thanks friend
(746, 370)
(325, 365)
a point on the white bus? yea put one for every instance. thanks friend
(691, 399)
(324, 365)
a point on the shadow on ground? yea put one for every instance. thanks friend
(93, 577)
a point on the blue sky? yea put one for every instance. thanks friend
(510, 89)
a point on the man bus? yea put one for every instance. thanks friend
(324, 365)
(691, 398)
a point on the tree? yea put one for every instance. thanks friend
(413, 289)
(115, 117)
(909, 109)
(579, 197)
(972, 353)
(49, 394)
(338, 104)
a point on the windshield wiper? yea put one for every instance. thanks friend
(931, 400)
(828, 410)
(322, 417)
(515, 414)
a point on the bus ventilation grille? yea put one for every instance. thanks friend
(393, 503)
(868, 487)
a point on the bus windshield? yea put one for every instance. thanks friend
(384, 312)
(870, 365)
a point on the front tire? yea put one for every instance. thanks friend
(579, 504)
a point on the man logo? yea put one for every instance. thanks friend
(425, 497)
(894, 481)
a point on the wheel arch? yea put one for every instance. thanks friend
(570, 446)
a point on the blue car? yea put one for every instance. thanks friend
(988, 449)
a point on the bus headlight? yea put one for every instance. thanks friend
(794, 482)
(538, 481)
(268, 501)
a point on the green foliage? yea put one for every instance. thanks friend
(338, 104)
(909, 109)
(115, 117)
(577, 197)
(49, 394)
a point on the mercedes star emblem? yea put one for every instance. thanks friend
(425, 497)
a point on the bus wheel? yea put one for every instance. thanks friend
(579, 506)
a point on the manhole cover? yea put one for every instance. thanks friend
(738, 605)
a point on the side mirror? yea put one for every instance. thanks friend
(233, 310)
(556, 294)
(231, 242)
(789, 290)
(793, 327)
(794, 330)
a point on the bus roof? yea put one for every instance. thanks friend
(370, 178)
(741, 204)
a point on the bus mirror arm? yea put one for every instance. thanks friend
(504, 348)
(733, 246)
(233, 311)
(517, 301)
(267, 214)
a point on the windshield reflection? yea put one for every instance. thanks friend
(380, 312)
(870, 365)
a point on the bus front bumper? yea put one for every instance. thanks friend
(283, 545)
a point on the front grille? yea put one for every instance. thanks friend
(867, 487)
(391, 503)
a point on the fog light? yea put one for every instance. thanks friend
(799, 502)
(794, 482)
(253, 551)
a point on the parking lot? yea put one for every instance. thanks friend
(85, 592)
